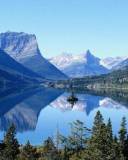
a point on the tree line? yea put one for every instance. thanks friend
(97, 143)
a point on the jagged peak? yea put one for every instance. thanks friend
(88, 54)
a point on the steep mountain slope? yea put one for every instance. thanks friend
(24, 49)
(112, 62)
(79, 65)
(10, 65)
(13, 73)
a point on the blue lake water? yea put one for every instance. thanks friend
(38, 113)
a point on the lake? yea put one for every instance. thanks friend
(39, 112)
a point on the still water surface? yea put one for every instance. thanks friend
(37, 113)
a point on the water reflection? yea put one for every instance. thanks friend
(22, 107)
(72, 99)
(37, 111)
(86, 103)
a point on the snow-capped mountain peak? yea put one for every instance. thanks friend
(78, 65)
(66, 59)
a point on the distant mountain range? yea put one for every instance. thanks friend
(24, 49)
(20, 56)
(79, 65)
(86, 64)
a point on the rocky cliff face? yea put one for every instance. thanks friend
(19, 45)
(24, 49)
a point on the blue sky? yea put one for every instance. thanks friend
(70, 25)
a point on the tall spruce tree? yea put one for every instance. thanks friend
(117, 154)
(123, 138)
(109, 140)
(11, 144)
(98, 122)
(100, 144)
(109, 131)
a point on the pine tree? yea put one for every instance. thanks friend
(100, 143)
(123, 132)
(2, 148)
(49, 150)
(109, 130)
(98, 122)
(123, 138)
(117, 153)
(11, 144)
(28, 152)
(126, 148)
(109, 140)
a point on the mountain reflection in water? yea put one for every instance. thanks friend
(36, 112)
(23, 107)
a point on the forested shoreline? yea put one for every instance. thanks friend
(97, 143)
(116, 80)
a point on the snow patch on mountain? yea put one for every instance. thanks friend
(112, 62)
(79, 65)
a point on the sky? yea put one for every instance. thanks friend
(72, 26)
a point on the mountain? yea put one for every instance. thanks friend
(122, 65)
(8, 80)
(10, 65)
(13, 72)
(79, 65)
(112, 62)
(23, 48)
